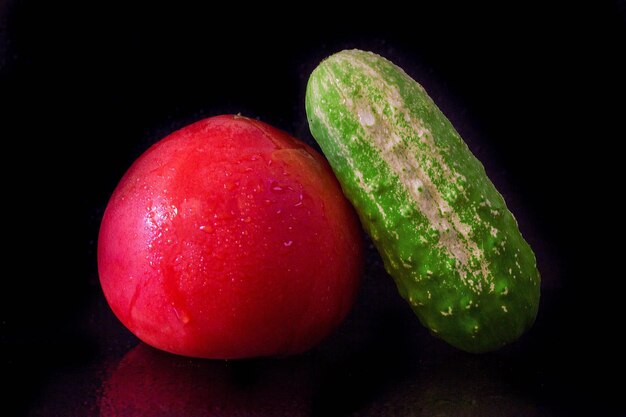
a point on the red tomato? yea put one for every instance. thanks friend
(230, 239)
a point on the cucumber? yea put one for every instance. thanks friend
(442, 229)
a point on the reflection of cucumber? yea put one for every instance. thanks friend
(442, 229)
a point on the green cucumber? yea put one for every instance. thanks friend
(443, 231)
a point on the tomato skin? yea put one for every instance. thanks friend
(230, 239)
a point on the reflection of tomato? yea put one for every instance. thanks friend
(230, 239)
(150, 383)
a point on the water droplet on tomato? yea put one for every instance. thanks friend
(181, 315)
(276, 187)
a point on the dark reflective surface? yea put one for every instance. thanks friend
(147, 382)
(459, 386)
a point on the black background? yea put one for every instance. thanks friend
(535, 90)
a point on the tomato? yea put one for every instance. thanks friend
(230, 239)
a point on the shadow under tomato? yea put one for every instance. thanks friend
(148, 382)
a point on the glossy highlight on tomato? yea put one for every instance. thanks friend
(230, 239)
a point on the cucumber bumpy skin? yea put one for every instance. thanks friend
(442, 229)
